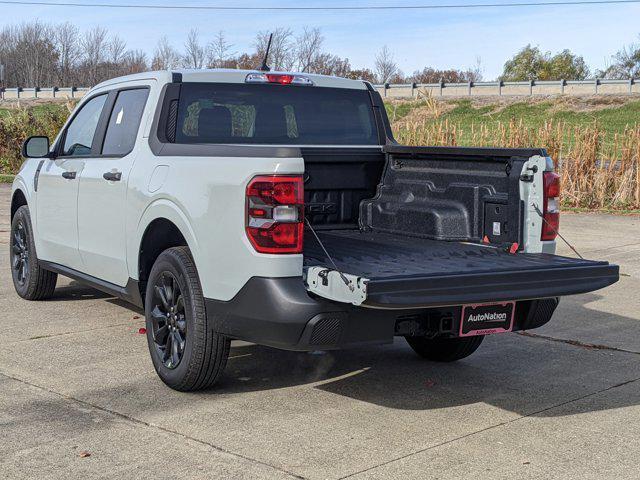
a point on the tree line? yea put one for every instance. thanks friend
(39, 54)
(531, 63)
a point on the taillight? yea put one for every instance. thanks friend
(551, 211)
(275, 213)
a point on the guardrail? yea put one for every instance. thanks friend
(18, 93)
(596, 86)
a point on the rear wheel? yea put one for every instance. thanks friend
(186, 353)
(444, 349)
(31, 281)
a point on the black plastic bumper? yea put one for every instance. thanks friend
(279, 312)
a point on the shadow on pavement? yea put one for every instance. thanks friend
(512, 372)
(509, 371)
(78, 291)
(75, 290)
(518, 374)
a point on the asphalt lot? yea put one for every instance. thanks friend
(75, 377)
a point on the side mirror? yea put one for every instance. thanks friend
(35, 147)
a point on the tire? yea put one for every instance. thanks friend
(31, 281)
(444, 349)
(186, 353)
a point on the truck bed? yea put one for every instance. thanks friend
(410, 272)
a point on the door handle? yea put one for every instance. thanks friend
(69, 175)
(112, 176)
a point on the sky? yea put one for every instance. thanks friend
(453, 38)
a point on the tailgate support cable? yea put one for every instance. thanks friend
(556, 231)
(346, 281)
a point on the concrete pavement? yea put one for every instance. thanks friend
(75, 377)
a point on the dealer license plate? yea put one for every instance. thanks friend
(487, 318)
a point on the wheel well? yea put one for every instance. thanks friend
(159, 235)
(17, 201)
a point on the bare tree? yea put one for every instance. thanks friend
(281, 55)
(94, 46)
(626, 63)
(309, 48)
(116, 55)
(134, 61)
(36, 53)
(194, 52)
(165, 56)
(117, 48)
(385, 65)
(476, 73)
(66, 40)
(219, 52)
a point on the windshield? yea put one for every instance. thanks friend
(274, 114)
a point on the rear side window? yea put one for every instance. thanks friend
(124, 122)
(80, 132)
(274, 114)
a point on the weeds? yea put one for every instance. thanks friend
(597, 172)
(19, 123)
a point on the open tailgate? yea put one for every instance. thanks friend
(384, 270)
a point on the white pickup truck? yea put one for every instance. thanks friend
(277, 208)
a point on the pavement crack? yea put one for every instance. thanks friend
(609, 248)
(61, 334)
(153, 426)
(492, 427)
(577, 343)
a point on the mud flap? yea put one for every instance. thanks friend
(336, 286)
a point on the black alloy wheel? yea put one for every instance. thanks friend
(169, 323)
(20, 253)
(31, 281)
(187, 352)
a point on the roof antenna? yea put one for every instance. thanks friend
(265, 67)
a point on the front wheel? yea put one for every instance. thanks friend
(186, 353)
(31, 281)
(444, 349)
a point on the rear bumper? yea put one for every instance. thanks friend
(279, 312)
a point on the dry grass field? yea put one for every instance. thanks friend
(595, 142)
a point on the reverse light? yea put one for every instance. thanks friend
(551, 210)
(278, 78)
(275, 213)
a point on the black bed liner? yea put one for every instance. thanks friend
(408, 272)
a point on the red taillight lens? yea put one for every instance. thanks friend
(551, 209)
(275, 213)
(276, 190)
(279, 78)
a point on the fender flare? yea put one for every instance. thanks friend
(169, 210)
(20, 185)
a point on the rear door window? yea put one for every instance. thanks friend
(274, 114)
(124, 122)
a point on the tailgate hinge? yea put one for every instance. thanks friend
(331, 284)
